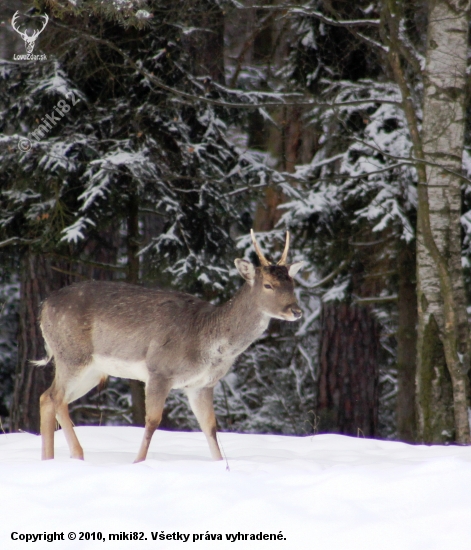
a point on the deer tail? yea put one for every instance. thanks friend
(41, 362)
(46, 360)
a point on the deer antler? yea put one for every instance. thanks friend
(262, 258)
(284, 256)
(260, 255)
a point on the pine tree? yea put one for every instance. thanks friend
(122, 138)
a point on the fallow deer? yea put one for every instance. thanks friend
(166, 339)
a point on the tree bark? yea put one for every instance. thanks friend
(348, 381)
(443, 414)
(138, 407)
(206, 43)
(438, 149)
(406, 345)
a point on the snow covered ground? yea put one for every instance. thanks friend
(319, 492)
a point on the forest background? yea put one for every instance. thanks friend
(179, 125)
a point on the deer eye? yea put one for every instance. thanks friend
(268, 286)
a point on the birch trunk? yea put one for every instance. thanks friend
(443, 362)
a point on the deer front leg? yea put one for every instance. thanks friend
(201, 402)
(156, 394)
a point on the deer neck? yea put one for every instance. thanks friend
(240, 320)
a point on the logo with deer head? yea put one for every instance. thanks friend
(29, 40)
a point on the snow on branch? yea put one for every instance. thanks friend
(76, 231)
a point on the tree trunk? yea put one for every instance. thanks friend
(406, 345)
(442, 343)
(206, 43)
(38, 280)
(348, 381)
(138, 407)
(443, 361)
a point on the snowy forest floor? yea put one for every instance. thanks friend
(324, 491)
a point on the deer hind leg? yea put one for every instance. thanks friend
(52, 406)
(48, 423)
(201, 402)
(156, 394)
(62, 413)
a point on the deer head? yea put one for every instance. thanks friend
(29, 40)
(273, 284)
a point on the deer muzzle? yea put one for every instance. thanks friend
(292, 312)
(296, 311)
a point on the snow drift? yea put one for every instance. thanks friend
(324, 491)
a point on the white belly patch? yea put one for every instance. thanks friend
(113, 366)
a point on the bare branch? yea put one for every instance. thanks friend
(252, 98)
(377, 299)
(412, 161)
(66, 272)
(323, 281)
(17, 240)
(296, 10)
(98, 265)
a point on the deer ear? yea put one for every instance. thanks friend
(294, 268)
(246, 269)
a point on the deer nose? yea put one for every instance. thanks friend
(297, 312)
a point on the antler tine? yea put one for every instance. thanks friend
(285, 251)
(260, 255)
